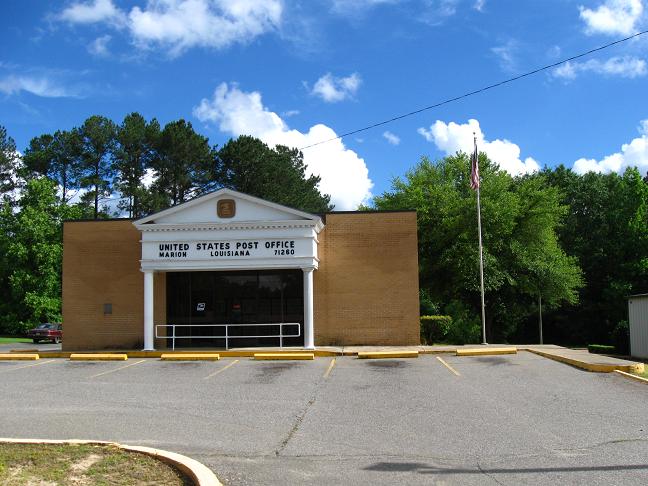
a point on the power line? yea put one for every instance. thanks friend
(477, 91)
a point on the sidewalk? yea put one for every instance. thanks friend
(580, 358)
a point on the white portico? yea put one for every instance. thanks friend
(229, 231)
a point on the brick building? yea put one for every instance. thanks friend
(231, 270)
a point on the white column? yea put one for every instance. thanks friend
(149, 344)
(309, 335)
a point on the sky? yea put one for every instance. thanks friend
(298, 72)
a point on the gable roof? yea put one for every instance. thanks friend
(291, 212)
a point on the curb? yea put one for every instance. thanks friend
(284, 356)
(485, 351)
(200, 474)
(630, 376)
(387, 354)
(98, 357)
(158, 354)
(190, 357)
(18, 357)
(596, 367)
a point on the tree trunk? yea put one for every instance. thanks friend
(64, 181)
(96, 202)
(96, 194)
(489, 329)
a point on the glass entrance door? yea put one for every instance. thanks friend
(245, 297)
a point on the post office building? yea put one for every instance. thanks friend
(228, 270)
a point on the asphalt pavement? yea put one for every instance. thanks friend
(515, 419)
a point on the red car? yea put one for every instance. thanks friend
(46, 332)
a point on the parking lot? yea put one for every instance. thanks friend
(517, 419)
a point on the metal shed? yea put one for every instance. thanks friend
(638, 318)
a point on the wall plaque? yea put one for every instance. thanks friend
(226, 208)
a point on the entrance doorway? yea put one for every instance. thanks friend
(252, 297)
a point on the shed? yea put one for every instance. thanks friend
(638, 318)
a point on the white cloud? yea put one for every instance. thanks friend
(353, 6)
(99, 46)
(332, 89)
(453, 137)
(479, 5)
(181, 24)
(633, 154)
(344, 175)
(39, 86)
(92, 12)
(178, 25)
(554, 52)
(625, 67)
(391, 138)
(506, 55)
(149, 178)
(435, 12)
(612, 17)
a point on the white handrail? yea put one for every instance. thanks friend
(227, 335)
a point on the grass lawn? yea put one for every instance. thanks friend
(67, 465)
(644, 374)
(4, 340)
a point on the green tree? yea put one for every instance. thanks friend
(550, 274)
(8, 163)
(519, 221)
(606, 228)
(183, 166)
(31, 251)
(97, 143)
(133, 155)
(56, 157)
(248, 165)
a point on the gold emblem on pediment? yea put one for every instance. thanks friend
(226, 208)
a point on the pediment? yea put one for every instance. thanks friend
(226, 206)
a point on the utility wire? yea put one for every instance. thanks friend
(477, 91)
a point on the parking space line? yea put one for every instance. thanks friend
(221, 369)
(329, 369)
(117, 369)
(27, 366)
(443, 362)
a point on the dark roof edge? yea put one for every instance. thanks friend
(372, 211)
(92, 220)
(637, 295)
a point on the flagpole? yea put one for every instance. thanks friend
(481, 252)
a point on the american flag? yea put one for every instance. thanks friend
(474, 168)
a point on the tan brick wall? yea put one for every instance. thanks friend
(366, 287)
(101, 265)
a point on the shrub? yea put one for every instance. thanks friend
(434, 329)
(621, 338)
(427, 306)
(600, 348)
(466, 325)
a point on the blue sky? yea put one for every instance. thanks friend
(297, 72)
